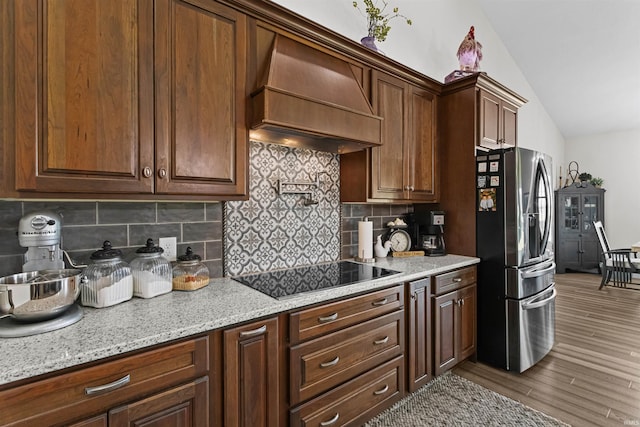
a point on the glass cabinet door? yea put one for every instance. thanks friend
(590, 207)
(570, 213)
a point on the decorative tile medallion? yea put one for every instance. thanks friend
(273, 231)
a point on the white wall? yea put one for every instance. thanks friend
(430, 45)
(614, 158)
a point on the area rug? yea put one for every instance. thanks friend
(450, 400)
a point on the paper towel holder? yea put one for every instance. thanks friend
(360, 256)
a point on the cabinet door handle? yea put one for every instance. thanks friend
(382, 341)
(462, 301)
(261, 330)
(146, 172)
(383, 391)
(108, 387)
(412, 188)
(329, 318)
(162, 172)
(331, 421)
(330, 363)
(380, 302)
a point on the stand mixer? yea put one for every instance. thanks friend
(41, 233)
(43, 280)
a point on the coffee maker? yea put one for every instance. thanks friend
(427, 231)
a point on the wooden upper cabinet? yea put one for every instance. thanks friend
(201, 134)
(388, 161)
(422, 164)
(87, 74)
(498, 121)
(84, 95)
(403, 168)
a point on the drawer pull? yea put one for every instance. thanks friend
(380, 302)
(382, 341)
(457, 280)
(261, 330)
(331, 421)
(330, 363)
(108, 387)
(329, 318)
(383, 391)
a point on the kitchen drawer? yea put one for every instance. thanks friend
(356, 401)
(457, 279)
(313, 322)
(323, 363)
(51, 401)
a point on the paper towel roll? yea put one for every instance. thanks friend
(365, 239)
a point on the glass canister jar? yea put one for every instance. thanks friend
(109, 279)
(151, 272)
(190, 273)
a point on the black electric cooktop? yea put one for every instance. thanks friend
(294, 281)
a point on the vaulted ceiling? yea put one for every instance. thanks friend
(581, 57)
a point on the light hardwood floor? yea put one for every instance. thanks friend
(592, 375)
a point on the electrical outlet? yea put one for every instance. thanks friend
(168, 244)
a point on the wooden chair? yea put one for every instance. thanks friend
(618, 265)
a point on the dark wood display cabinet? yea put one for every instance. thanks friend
(576, 243)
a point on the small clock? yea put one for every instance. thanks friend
(400, 240)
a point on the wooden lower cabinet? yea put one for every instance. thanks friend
(185, 405)
(454, 321)
(346, 359)
(356, 401)
(251, 375)
(101, 420)
(162, 385)
(419, 356)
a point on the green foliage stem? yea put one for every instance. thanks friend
(377, 20)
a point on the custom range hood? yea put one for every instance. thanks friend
(312, 100)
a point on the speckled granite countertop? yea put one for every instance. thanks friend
(140, 323)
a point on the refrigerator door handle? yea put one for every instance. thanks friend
(537, 304)
(537, 272)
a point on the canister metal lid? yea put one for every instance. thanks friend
(189, 256)
(150, 248)
(107, 252)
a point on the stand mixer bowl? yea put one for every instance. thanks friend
(35, 296)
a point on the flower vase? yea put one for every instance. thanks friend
(369, 42)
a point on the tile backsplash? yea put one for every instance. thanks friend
(86, 224)
(271, 230)
(380, 215)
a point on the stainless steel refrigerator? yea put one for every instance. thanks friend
(516, 288)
